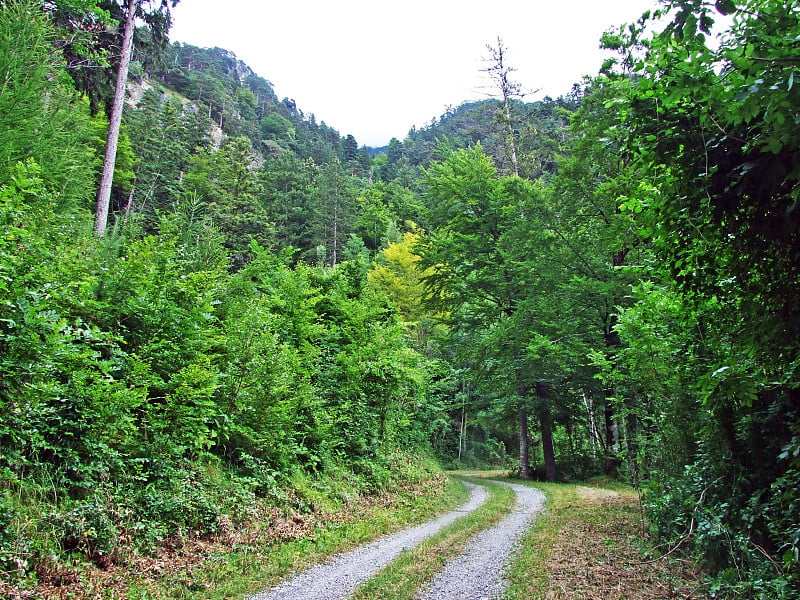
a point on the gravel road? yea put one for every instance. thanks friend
(479, 572)
(476, 574)
(337, 578)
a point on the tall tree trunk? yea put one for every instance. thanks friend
(611, 436)
(509, 90)
(115, 121)
(462, 431)
(612, 341)
(546, 424)
(524, 443)
(335, 231)
(631, 443)
(512, 145)
(594, 432)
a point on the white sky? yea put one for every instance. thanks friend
(374, 69)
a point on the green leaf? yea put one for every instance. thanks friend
(690, 26)
(725, 7)
(706, 23)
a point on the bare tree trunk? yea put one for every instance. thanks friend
(512, 145)
(335, 230)
(115, 120)
(609, 413)
(509, 90)
(129, 204)
(524, 442)
(612, 436)
(546, 424)
(524, 465)
(462, 431)
(594, 432)
(631, 442)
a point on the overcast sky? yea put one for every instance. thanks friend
(374, 69)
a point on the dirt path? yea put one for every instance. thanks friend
(337, 578)
(477, 574)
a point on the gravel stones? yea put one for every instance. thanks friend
(338, 577)
(479, 572)
(476, 574)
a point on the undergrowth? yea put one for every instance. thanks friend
(206, 531)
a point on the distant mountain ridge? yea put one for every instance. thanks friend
(241, 102)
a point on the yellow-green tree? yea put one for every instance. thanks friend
(399, 275)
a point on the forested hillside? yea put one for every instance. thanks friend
(602, 283)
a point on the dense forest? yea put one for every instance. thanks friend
(602, 283)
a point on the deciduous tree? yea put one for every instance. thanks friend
(482, 271)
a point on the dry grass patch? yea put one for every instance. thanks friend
(588, 546)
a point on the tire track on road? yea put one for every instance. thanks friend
(337, 578)
(479, 572)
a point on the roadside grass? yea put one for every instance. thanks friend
(235, 572)
(318, 517)
(405, 576)
(589, 543)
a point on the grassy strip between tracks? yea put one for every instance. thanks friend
(404, 577)
(589, 543)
